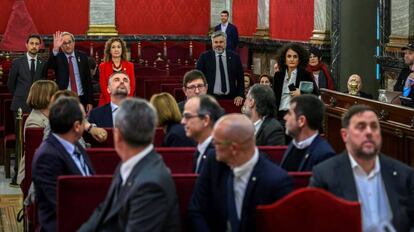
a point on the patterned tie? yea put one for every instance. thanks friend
(32, 68)
(72, 79)
(84, 167)
(222, 76)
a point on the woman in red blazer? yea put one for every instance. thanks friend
(115, 60)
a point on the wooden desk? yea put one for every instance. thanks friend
(397, 124)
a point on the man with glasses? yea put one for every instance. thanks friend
(71, 68)
(235, 180)
(200, 114)
(194, 84)
(59, 154)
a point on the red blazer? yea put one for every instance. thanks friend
(105, 70)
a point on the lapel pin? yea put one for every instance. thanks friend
(306, 156)
(253, 178)
(129, 184)
(204, 157)
(78, 60)
(394, 173)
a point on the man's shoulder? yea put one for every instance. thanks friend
(321, 144)
(269, 170)
(396, 164)
(332, 163)
(100, 109)
(271, 122)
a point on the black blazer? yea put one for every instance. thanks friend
(319, 150)
(302, 75)
(208, 206)
(207, 64)
(210, 151)
(59, 64)
(271, 133)
(232, 36)
(175, 137)
(50, 161)
(102, 116)
(20, 81)
(146, 202)
(335, 175)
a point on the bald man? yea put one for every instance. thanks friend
(235, 180)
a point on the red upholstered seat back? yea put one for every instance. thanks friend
(159, 136)
(33, 138)
(300, 179)
(77, 198)
(104, 160)
(310, 209)
(275, 153)
(229, 106)
(184, 183)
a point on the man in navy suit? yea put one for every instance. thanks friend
(118, 89)
(71, 68)
(142, 195)
(383, 186)
(235, 181)
(229, 29)
(59, 154)
(303, 121)
(223, 70)
(200, 115)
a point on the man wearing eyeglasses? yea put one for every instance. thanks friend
(235, 180)
(194, 84)
(200, 114)
(71, 68)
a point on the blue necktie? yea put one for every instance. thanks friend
(84, 167)
(231, 204)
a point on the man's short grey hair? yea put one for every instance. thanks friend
(70, 34)
(264, 98)
(136, 120)
(115, 73)
(218, 34)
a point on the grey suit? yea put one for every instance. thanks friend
(146, 202)
(271, 133)
(20, 81)
(335, 175)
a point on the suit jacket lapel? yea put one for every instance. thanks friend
(309, 152)
(39, 67)
(259, 132)
(108, 115)
(108, 201)
(390, 177)
(64, 155)
(346, 181)
(247, 200)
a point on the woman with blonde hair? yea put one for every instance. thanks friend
(169, 118)
(115, 60)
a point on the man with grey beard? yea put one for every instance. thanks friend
(383, 186)
(118, 89)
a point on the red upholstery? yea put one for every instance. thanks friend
(229, 106)
(150, 71)
(77, 198)
(178, 159)
(300, 179)
(147, 87)
(33, 138)
(275, 153)
(108, 143)
(184, 184)
(310, 209)
(159, 136)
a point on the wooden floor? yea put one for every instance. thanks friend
(10, 203)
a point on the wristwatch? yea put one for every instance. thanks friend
(90, 127)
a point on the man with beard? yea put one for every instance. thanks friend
(230, 30)
(383, 186)
(118, 89)
(260, 108)
(303, 121)
(223, 70)
(405, 82)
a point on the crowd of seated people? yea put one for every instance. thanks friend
(234, 177)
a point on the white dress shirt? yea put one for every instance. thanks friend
(241, 179)
(127, 166)
(114, 110)
(223, 27)
(304, 143)
(285, 98)
(29, 60)
(257, 125)
(201, 148)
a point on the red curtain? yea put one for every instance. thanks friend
(245, 16)
(5, 11)
(291, 19)
(177, 17)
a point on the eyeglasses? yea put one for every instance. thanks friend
(194, 87)
(188, 116)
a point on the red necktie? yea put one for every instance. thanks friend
(72, 76)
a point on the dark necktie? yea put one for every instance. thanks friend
(72, 79)
(195, 158)
(84, 167)
(222, 76)
(231, 204)
(32, 68)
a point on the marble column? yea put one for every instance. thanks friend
(262, 30)
(402, 24)
(217, 6)
(102, 18)
(322, 22)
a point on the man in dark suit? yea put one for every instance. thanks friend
(383, 186)
(142, 195)
(229, 29)
(223, 70)
(194, 84)
(303, 121)
(200, 115)
(71, 68)
(260, 107)
(235, 181)
(118, 89)
(405, 81)
(59, 154)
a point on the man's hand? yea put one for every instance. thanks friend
(295, 93)
(99, 134)
(57, 41)
(89, 108)
(238, 101)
